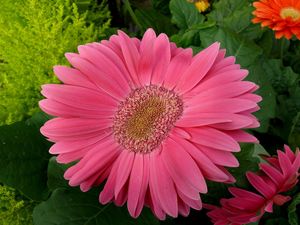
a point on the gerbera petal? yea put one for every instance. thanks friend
(195, 204)
(90, 163)
(162, 57)
(183, 208)
(98, 77)
(177, 67)
(104, 64)
(238, 192)
(218, 157)
(281, 16)
(55, 108)
(229, 90)
(116, 58)
(273, 173)
(131, 55)
(211, 137)
(107, 194)
(285, 163)
(72, 76)
(72, 126)
(72, 146)
(260, 185)
(182, 168)
(68, 157)
(135, 184)
(154, 202)
(242, 136)
(146, 62)
(123, 172)
(145, 184)
(198, 68)
(163, 185)
(207, 167)
(219, 66)
(78, 97)
(201, 119)
(153, 120)
(224, 105)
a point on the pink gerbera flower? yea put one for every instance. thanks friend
(277, 176)
(151, 119)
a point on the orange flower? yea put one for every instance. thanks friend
(282, 16)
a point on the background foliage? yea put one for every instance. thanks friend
(34, 36)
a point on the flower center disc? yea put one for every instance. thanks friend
(145, 118)
(290, 12)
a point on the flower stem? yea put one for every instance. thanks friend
(132, 14)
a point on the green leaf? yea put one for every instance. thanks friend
(24, 157)
(239, 20)
(185, 14)
(225, 8)
(56, 174)
(186, 39)
(282, 78)
(294, 136)
(276, 221)
(152, 18)
(292, 210)
(266, 42)
(257, 74)
(72, 207)
(244, 50)
(162, 6)
(248, 157)
(190, 37)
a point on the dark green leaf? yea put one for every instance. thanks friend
(186, 39)
(282, 78)
(257, 74)
(294, 136)
(152, 18)
(72, 207)
(161, 6)
(236, 16)
(248, 157)
(185, 14)
(276, 221)
(56, 174)
(225, 8)
(24, 157)
(293, 211)
(190, 37)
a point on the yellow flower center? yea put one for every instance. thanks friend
(141, 123)
(290, 12)
(145, 118)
